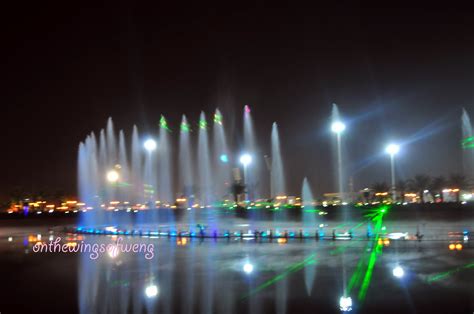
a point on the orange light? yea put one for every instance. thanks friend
(452, 246)
(386, 242)
(282, 240)
(459, 246)
(182, 241)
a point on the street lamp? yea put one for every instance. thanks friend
(112, 176)
(150, 145)
(245, 160)
(338, 127)
(392, 150)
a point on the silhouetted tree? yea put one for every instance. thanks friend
(437, 185)
(380, 187)
(401, 187)
(460, 182)
(420, 183)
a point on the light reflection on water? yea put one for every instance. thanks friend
(219, 276)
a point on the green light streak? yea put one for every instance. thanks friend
(203, 124)
(443, 275)
(164, 123)
(218, 118)
(468, 140)
(184, 127)
(368, 260)
(291, 269)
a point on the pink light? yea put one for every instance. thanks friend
(247, 109)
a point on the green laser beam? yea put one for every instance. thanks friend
(443, 275)
(291, 269)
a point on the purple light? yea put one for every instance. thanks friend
(247, 109)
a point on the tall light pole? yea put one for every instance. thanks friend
(392, 150)
(245, 160)
(338, 127)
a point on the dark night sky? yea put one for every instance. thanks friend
(396, 73)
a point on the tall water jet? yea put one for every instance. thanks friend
(250, 147)
(136, 167)
(185, 167)
(164, 147)
(124, 191)
(221, 158)
(337, 127)
(277, 182)
(467, 142)
(204, 167)
(111, 144)
(309, 225)
(149, 173)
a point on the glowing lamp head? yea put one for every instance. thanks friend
(398, 272)
(248, 268)
(245, 159)
(392, 149)
(345, 304)
(150, 145)
(223, 158)
(112, 176)
(151, 291)
(338, 127)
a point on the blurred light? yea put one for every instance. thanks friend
(150, 145)
(10, 239)
(151, 291)
(224, 158)
(245, 159)
(452, 246)
(112, 176)
(345, 304)
(247, 109)
(248, 268)
(338, 127)
(392, 149)
(459, 246)
(113, 251)
(398, 272)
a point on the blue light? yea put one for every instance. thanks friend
(224, 158)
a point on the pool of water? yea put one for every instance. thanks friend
(236, 275)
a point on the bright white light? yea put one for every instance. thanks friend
(398, 272)
(338, 127)
(10, 239)
(248, 268)
(113, 251)
(392, 149)
(150, 145)
(112, 176)
(245, 159)
(345, 304)
(151, 291)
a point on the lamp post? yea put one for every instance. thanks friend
(338, 127)
(245, 160)
(392, 150)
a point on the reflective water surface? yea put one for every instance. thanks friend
(192, 275)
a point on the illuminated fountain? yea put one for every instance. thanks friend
(467, 143)
(309, 224)
(277, 184)
(250, 147)
(204, 165)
